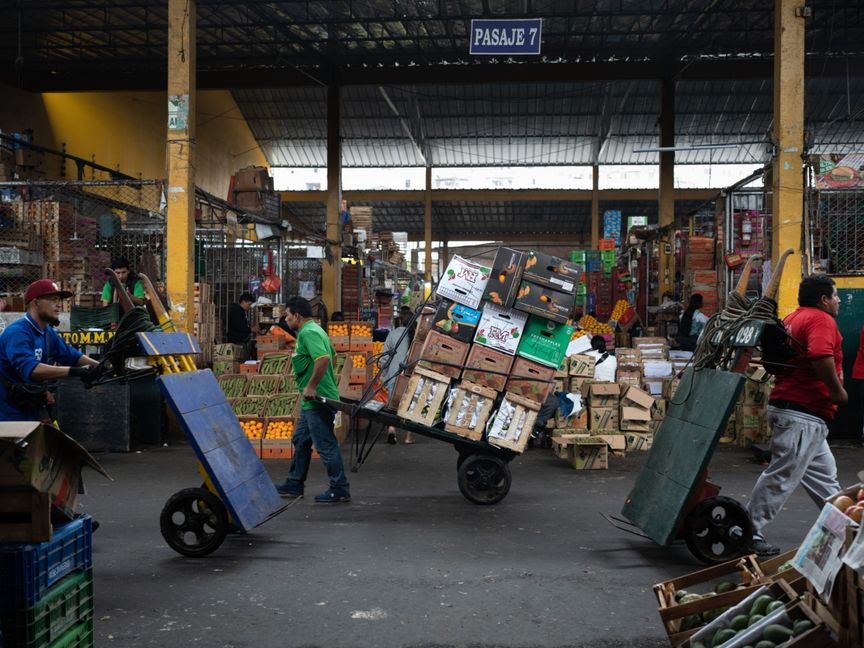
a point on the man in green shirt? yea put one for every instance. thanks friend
(313, 366)
(121, 268)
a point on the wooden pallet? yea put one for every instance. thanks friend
(425, 396)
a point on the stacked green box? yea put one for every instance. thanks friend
(609, 260)
(578, 256)
(67, 605)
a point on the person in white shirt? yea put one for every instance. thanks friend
(693, 321)
(605, 364)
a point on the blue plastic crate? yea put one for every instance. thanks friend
(28, 570)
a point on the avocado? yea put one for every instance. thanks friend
(739, 622)
(756, 618)
(691, 621)
(777, 633)
(724, 586)
(801, 626)
(760, 604)
(710, 615)
(680, 594)
(722, 637)
(765, 644)
(773, 605)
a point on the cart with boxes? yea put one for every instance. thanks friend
(483, 361)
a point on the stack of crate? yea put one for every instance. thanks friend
(47, 594)
(701, 273)
(205, 322)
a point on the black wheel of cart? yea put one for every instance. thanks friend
(484, 479)
(718, 529)
(194, 522)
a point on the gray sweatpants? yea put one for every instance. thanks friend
(799, 455)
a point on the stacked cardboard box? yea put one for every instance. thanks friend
(700, 272)
(498, 334)
(750, 413)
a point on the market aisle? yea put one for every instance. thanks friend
(408, 563)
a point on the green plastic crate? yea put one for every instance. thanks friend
(578, 256)
(81, 636)
(66, 604)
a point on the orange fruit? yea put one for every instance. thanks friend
(843, 502)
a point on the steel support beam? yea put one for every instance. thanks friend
(498, 195)
(427, 225)
(787, 167)
(666, 206)
(331, 268)
(595, 206)
(180, 262)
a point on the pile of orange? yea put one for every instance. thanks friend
(377, 348)
(337, 330)
(280, 429)
(358, 329)
(254, 428)
(577, 333)
(593, 326)
(358, 361)
(621, 307)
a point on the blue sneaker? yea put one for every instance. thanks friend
(289, 491)
(332, 497)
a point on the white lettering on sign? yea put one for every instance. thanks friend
(506, 36)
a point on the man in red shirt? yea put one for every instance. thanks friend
(858, 371)
(803, 401)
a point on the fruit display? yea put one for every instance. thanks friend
(361, 330)
(594, 327)
(377, 348)
(358, 361)
(696, 620)
(280, 429)
(253, 428)
(340, 362)
(337, 329)
(233, 385)
(263, 385)
(621, 307)
(249, 406)
(289, 384)
(782, 630)
(853, 508)
(281, 405)
(275, 364)
(577, 333)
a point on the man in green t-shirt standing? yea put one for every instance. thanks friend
(131, 283)
(313, 366)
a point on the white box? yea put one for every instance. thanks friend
(657, 369)
(464, 282)
(500, 328)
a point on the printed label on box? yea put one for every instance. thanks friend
(545, 342)
(464, 282)
(500, 328)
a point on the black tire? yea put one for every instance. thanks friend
(194, 522)
(484, 479)
(718, 529)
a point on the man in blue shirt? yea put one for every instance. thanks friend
(31, 351)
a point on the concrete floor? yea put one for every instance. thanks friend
(409, 562)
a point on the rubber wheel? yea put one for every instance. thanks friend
(194, 522)
(718, 529)
(484, 479)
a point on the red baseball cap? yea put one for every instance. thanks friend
(44, 288)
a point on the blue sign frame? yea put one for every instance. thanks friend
(506, 37)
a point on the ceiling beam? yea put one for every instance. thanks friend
(51, 78)
(496, 195)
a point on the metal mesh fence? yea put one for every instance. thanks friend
(70, 231)
(837, 231)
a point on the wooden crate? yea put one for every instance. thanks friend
(425, 396)
(25, 516)
(743, 570)
(469, 402)
(524, 415)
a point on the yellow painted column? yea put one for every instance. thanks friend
(666, 266)
(180, 245)
(595, 206)
(427, 225)
(787, 173)
(331, 271)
